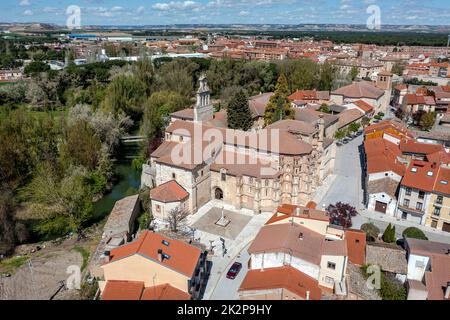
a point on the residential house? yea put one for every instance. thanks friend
(151, 264)
(428, 270)
(167, 197)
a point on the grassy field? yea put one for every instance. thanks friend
(85, 254)
(12, 264)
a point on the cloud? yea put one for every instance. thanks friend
(28, 13)
(24, 3)
(176, 5)
(244, 13)
(141, 9)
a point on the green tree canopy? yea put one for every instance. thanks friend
(238, 112)
(415, 233)
(279, 107)
(389, 234)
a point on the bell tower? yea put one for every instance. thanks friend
(203, 109)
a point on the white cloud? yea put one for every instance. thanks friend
(141, 9)
(28, 13)
(176, 5)
(244, 13)
(24, 3)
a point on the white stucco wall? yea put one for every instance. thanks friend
(415, 271)
(279, 259)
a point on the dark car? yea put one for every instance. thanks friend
(234, 270)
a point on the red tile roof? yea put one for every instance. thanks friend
(418, 99)
(362, 89)
(420, 175)
(134, 290)
(285, 277)
(170, 191)
(164, 292)
(309, 95)
(411, 146)
(183, 257)
(381, 156)
(285, 211)
(123, 290)
(367, 108)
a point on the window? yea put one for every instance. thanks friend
(181, 138)
(357, 240)
(430, 173)
(406, 203)
(165, 242)
(413, 169)
(437, 211)
(158, 208)
(166, 256)
(173, 176)
(331, 265)
(408, 191)
(267, 182)
(329, 280)
(419, 205)
(439, 199)
(421, 194)
(201, 173)
(434, 224)
(223, 176)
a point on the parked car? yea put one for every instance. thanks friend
(234, 270)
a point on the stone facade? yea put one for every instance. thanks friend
(296, 178)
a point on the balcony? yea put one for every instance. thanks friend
(408, 209)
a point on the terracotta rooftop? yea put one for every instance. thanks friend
(257, 104)
(181, 257)
(306, 95)
(123, 290)
(427, 176)
(285, 211)
(367, 108)
(419, 99)
(348, 116)
(285, 277)
(294, 126)
(170, 191)
(358, 90)
(134, 290)
(411, 146)
(296, 240)
(184, 114)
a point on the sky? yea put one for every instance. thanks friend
(157, 12)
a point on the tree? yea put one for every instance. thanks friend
(126, 94)
(340, 134)
(36, 67)
(279, 107)
(238, 112)
(341, 214)
(324, 108)
(415, 233)
(371, 231)
(398, 69)
(354, 127)
(354, 73)
(427, 120)
(389, 234)
(11, 230)
(60, 203)
(176, 218)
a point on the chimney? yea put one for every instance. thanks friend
(107, 257)
(297, 211)
(160, 255)
(307, 295)
(447, 291)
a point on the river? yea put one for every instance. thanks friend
(127, 183)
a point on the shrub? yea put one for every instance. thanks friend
(413, 232)
(371, 231)
(389, 234)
